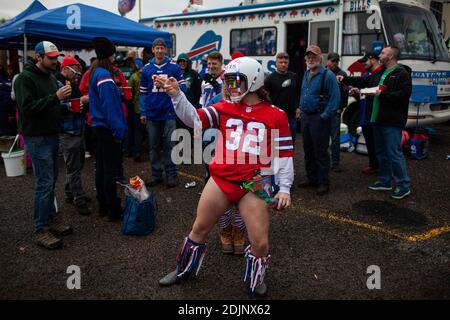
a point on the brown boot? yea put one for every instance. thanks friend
(59, 228)
(238, 240)
(226, 238)
(47, 240)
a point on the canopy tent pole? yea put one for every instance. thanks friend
(25, 48)
(24, 54)
(139, 10)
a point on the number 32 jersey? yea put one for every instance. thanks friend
(249, 137)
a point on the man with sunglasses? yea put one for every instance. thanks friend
(71, 138)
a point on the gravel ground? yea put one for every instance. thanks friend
(321, 247)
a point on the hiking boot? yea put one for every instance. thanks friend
(369, 170)
(47, 240)
(59, 228)
(323, 190)
(169, 279)
(172, 182)
(379, 186)
(307, 184)
(226, 238)
(83, 209)
(400, 193)
(153, 182)
(238, 241)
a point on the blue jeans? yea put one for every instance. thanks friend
(156, 130)
(316, 139)
(390, 157)
(293, 127)
(43, 151)
(335, 140)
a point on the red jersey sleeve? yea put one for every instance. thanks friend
(209, 117)
(283, 143)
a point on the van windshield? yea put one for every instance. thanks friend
(415, 31)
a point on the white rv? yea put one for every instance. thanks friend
(349, 27)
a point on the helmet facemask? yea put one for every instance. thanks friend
(235, 84)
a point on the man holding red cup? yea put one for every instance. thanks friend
(72, 136)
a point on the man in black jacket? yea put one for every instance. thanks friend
(333, 59)
(389, 114)
(283, 87)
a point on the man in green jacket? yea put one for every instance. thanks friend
(39, 100)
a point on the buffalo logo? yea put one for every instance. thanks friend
(208, 42)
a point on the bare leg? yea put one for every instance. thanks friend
(255, 213)
(213, 203)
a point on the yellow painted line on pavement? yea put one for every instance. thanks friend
(329, 216)
(429, 234)
(413, 238)
(187, 175)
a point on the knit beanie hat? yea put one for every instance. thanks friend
(104, 48)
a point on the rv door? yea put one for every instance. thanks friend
(322, 34)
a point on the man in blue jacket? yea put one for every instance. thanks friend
(320, 98)
(157, 112)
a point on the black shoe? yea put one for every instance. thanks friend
(307, 184)
(102, 210)
(68, 200)
(323, 190)
(114, 218)
(336, 169)
(261, 290)
(153, 182)
(83, 209)
(172, 182)
(122, 180)
(169, 279)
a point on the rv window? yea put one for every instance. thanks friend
(360, 29)
(323, 39)
(254, 42)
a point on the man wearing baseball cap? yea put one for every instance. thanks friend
(368, 56)
(333, 59)
(72, 136)
(371, 65)
(39, 102)
(319, 100)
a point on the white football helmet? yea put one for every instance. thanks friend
(248, 68)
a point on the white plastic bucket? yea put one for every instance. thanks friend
(14, 163)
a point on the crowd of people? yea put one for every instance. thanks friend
(115, 106)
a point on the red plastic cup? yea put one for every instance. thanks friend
(382, 87)
(75, 105)
(127, 93)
